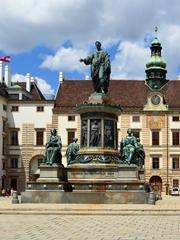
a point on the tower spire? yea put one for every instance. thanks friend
(156, 67)
(156, 31)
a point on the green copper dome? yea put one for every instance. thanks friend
(156, 66)
(155, 42)
(156, 62)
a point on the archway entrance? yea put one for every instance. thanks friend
(156, 183)
(34, 167)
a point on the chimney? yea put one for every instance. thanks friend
(87, 77)
(20, 96)
(28, 82)
(61, 77)
(34, 80)
(7, 76)
(1, 71)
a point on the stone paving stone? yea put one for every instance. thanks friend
(92, 227)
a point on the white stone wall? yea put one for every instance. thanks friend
(28, 114)
(63, 126)
(27, 119)
(2, 116)
(174, 125)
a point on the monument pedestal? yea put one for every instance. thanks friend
(54, 173)
(96, 174)
(91, 184)
(107, 183)
(46, 189)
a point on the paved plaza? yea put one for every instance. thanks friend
(90, 222)
(89, 227)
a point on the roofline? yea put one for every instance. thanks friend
(30, 101)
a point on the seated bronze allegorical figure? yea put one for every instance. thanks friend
(53, 149)
(140, 153)
(131, 150)
(72, 150)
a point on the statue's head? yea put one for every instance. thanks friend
(98, 45)
(75, 140)
(129, 131)
(53, 131)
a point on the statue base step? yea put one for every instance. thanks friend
(82, 197)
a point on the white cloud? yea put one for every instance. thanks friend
(26, 24)
(18, 78)
(170, 38)
(65, 59)
(41, 83)
(44, 86)
(129, 62)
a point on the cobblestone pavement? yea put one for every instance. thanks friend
(120, 222)
(89, 227)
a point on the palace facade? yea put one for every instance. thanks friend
(150, 107)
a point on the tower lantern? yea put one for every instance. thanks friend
(156, 67)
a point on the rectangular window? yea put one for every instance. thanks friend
(71, 135)
(136, 133)
(3, 146)
(136, 118)
(155, 163)
(40, 109)
(71, 118)
(14, 162)
(175, 138)
(175, 118)
(14, 137)
(39, 137)
(3, 165)
(155, 138)
(4, 125)
(14, 109)
(4, 107)
(175, 182)
(175, 163)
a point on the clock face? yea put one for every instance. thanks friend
(155, 99)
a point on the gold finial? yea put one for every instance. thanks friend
(156, 30)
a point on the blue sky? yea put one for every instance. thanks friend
(46, 37)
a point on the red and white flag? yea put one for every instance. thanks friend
(5, 59)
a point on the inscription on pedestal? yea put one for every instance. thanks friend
(91, 174)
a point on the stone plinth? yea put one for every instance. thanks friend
(103, 172)
(52, 174)
(98, 98)
(105, 177)
(91, 172)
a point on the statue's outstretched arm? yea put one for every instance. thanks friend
(87, 60)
